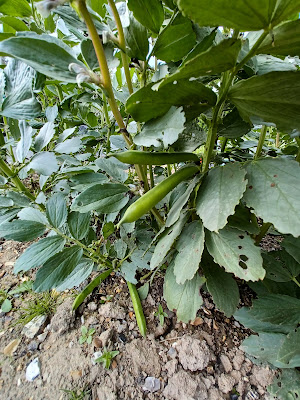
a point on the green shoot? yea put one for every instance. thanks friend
(161, 315)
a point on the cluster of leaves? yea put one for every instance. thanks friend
(219, 80)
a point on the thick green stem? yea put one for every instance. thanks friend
(4, 168)
(122, 44)
(261, 141)
(2, 140)
(151, 176)
(263, 231)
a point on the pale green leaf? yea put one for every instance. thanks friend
(44, 136)
(114, 168)
(164, 130)
(236, 252)
(44, 53)
(273, 186)
(21, 231)
(56, 210)
(44, 163)
(185, 299)
(286, 386)
(190, 246)
(79, 274)
(166, 241)
(219, 194)
(221, 286)
(79, 224)
(55, 271)
(105, 198)
(38, 253)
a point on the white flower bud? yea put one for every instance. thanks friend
(44, 7)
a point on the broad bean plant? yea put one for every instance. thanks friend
(158, 138)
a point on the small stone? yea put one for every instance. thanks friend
(172, 352)
(106, 336)
(226, 383)
(33, 370)
(34, 327)
(238, 360)
(41, 338)
(96, 355)
(112, 311)
(11, 347)
(171, 367)
(122, 338)
(151, 384)
(33, 346)
(226, 363)
(92, 306)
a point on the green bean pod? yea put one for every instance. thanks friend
(138, 309)
(155, 195)
(155, 158)
(90, 287)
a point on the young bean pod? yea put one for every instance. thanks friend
(90, 287)
(155, 195)
(155, 158)
(138, 309)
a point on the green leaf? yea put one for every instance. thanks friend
(166, 241)
(149, 14)
(215, 60)
(233, 126)
(84, 180)
(19, 199)
(271, 313)
(69, 146)
(219, 194)
(44, 163)
(244, 220)
(24, 144)
(79, 224)
(15, 23)
(280, 266)
(32, 214)
(21, 231)
(192, 137)
(79, 274)
(20, 102)
(55, 271)
(284, 40)
(114, 168)
(270, 179)
(164, 130)
(147, 103)
(190, 247)
(44, 136)
(104, 198)
(236, 252)
(15, 8)
(269, 98)
(185, 299)
(266, 64)
(238, 14)
(38, 253)
(6, 306)
(56, 210)
(221, 286)
(175, 40)
(286, 386)
(136, 39)
(265, 347)
(180, 202)
(128, 271)
(89, 54)
(292, 246)
(6, 202)
(289, 353)
(108, 229)
(44, 53)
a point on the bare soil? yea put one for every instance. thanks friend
(194, 361)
